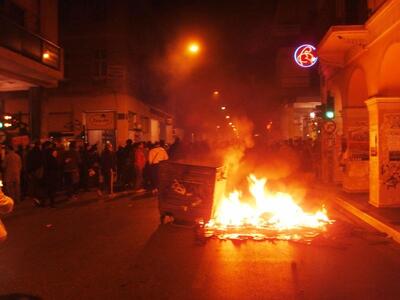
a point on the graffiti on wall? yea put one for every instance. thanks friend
(390, 133)
(390, 174)
(358, 141)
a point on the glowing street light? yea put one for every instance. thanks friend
(230, 123)
(216, 93)
(227, 117)
(193, 48)
(223, 107)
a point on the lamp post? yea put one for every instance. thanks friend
(193, 48)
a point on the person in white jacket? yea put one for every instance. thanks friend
(156, 155)
(11, 174)
(6, 206)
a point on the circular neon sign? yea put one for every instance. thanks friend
(305, 56)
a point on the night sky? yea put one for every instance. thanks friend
(237, 56)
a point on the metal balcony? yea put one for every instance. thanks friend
(19, 40)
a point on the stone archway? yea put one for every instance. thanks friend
(389, 75)
(356, 134)
(338, 147)
(357, 90)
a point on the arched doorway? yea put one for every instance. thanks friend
(338, 149)
(357, 91)
(389, 76)
(356, 134)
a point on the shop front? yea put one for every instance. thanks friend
(100, 128)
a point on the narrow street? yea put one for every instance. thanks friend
(115, 249)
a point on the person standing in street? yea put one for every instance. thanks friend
(140, 162)
(51, 174)
(107, 164)
(156, 155)
(34, 168)
(129, 164)
(84, 167)
(12, 166)
(120, 158)
(71, 162)
(6, 206)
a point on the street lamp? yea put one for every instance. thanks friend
(193, 48)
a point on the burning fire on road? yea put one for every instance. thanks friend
(265, 215)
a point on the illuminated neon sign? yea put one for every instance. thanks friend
(305, 55)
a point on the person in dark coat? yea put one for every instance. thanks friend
(120, 155)
(34, 169)
(175, 150)
(71, 161)
(129, 164)
(94, 163)
(51, 175)
(107, 164)
(84, 167)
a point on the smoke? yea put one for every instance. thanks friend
(232, 149)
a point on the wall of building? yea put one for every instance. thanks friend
(372, 69)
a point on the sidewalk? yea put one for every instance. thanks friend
(386, 220)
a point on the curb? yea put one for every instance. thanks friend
(372, 221)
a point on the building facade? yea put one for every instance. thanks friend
(30, 58)
(96, 100)
(98, 97)
(360, 67)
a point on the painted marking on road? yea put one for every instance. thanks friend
(379, 225)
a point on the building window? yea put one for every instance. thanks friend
(100, 64)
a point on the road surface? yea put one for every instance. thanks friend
(115, 249)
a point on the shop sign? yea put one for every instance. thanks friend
(100, 120)
(305, 56)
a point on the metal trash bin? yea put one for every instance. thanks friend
(187, 191)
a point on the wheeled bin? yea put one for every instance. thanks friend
(187, 191)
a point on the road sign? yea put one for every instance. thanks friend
(329, 126)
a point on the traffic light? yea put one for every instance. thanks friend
(8, 122)
(330, 107)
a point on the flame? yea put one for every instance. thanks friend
(268, 211)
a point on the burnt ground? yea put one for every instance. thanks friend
(115, 249)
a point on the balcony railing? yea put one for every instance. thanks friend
(18, 39)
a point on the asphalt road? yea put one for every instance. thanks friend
(115, 249)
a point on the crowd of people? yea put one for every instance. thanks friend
(43, 170)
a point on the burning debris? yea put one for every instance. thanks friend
(267, 216)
